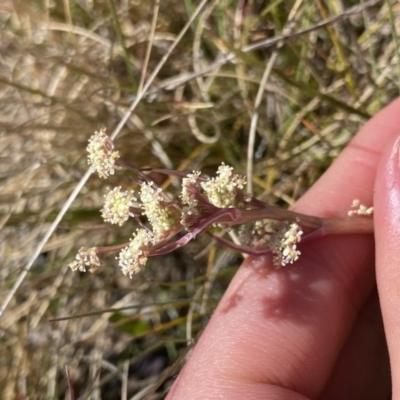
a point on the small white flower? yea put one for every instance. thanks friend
(133, 256)
(86, 258)
(222, 190)
(101, 156)
(360, 209)
(117, 205)
(188, 183)
(283, 244)
(160, 217)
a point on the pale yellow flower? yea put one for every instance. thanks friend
(86, 258)
(360, 209)
(283, 244)
(133, 256)
(159, 215)
(101, 156)
(222, 190)
(117, 205)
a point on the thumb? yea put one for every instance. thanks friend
(387, 238)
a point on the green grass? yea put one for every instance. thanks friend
(73, 67)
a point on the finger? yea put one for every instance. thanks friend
(362, 370)
(280, 331)
(387, 238)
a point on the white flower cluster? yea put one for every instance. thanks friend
(222, 190)
(190, 181)
(190, 184)
(86, 258)
(134, 255)
(360, 209)
(159, 216)
(117, 205)
(161, 219)
(200, 200)
(101, 156)
(283, 244)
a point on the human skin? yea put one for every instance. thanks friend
(316, 329)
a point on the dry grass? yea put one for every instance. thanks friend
(70, 67)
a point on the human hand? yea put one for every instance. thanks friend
(315, 329)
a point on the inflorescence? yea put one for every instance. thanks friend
(204, 205)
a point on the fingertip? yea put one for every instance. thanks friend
(387, 240)
(387, 209)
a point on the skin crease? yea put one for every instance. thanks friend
(314, 330)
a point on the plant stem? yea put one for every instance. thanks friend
(325, 226)
(272, 213)
(347, 225)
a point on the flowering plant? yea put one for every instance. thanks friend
(203, 203)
